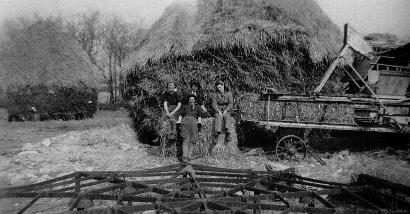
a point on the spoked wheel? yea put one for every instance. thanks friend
(291, 147)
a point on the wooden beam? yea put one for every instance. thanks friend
(330, 70)
(387, 100)
(329, 126)
(365, 84)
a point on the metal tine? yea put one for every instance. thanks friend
(30, 203)
(281, 198)
(218, 206)
(156, 189)
(270, 183)
(378, 182)
(395, 198)
(163, 169)
(277, 195)
(165, 207)
(320, 181)
(83, 185)
(162, 181)
(218, 169)
(225, 174)
(106, 189)
(302, 182)
(191, 206)
(27, 187)
(51, 185)
(116, 209)
(322, 200)
(364, 201)
(75, 202)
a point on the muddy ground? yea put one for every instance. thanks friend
(33, 152)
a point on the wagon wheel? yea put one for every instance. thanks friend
(291, 147)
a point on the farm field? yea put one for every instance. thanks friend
(34, 152)
(14, 135)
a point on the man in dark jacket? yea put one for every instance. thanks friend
(191, 124)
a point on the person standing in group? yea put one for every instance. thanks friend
(222, 103)
(172, 103)
(191, 124)
(195, 89)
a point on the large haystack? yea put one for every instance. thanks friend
(43, 67)
(250, 44)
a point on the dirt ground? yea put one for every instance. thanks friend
(36, 151)
(14, 135)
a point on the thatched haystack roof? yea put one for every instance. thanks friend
(43, 54)
(250, 25)
(250, 44)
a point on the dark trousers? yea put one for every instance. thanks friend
(189, 134)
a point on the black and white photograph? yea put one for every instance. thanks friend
(204, 106)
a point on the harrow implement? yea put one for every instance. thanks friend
(192, 188)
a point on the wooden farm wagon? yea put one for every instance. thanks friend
(381, 103)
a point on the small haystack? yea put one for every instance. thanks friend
(45, 72)
(250, 44)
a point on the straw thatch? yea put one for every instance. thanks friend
(43, 68)
(250, 25)
(250, 44)
(43, 54)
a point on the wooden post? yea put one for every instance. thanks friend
(364, 82)
(330, 70)
(351, 77)
(77, 182)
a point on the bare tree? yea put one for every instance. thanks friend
(107, 44)
(88, 31)
(120, 39)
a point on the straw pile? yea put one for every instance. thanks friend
(40, 57)
(254, 109)
(249, 44)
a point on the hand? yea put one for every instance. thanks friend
(225, 112)
(199, 127)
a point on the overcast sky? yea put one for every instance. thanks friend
(368, 16)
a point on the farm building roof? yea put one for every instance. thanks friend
(401, 55)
